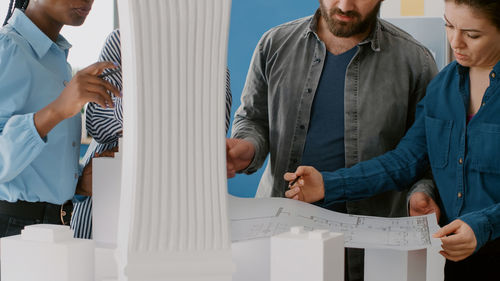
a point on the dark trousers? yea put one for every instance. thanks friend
(15, 216)
(484, 265)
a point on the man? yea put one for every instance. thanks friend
(329, 91)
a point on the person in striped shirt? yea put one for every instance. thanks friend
(105, 126)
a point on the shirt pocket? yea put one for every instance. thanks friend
(484, 144)
(438, 135)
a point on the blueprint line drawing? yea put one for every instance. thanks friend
(254, 218)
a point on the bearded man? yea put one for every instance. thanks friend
(328, 91)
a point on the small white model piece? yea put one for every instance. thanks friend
(404, 265)
(46, 252)
(395, 265)
(106, 179)
(299, 255)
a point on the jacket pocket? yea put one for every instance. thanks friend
(438, 135)
(484, 148)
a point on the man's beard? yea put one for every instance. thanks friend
(348, 29)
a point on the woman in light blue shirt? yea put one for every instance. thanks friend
(40, 103)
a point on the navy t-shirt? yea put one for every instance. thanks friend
(324, 147)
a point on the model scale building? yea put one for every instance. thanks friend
(166, 216)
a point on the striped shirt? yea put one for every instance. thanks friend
(105, 126)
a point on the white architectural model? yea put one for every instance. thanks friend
(300, 255)
(47, 252)
(173, 221)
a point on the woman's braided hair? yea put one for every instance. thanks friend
(19, 4)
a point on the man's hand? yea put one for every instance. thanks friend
(84, 185)
(309, 188)
(422, 204)
(459, 240)
(239, 154)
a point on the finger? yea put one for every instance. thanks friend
(104, 84)
(302, 171)
(96, 88)
(231, 174)
(453, 240)
(108, 101)
(296, 197)
(292, 192)
(460, 252)
(454, 256)
(446, 255)
(97, 68)
(289, 176)
(447, 229)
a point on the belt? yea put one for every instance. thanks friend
(42, 211)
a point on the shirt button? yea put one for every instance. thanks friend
(76, 175)
(317, 60)
(302, 127)
(460, 161)
(459, 195)
(483, 104)
(493, 75)
(65, 83)
(73, 144)
(309, 90)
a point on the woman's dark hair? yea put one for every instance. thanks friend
(19, 4)
(489, 8)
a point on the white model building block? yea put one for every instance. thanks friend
(173, 222)
(299, 255)
(47, 252)
(395, 265)
(106, 178)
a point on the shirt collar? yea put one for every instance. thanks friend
(496, 70)
(313, 25)
(462, 70)
(373, 38)
(35, 37)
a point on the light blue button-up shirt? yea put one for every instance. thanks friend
(33, 71)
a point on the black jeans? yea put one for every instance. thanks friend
(15, 216)
(12, 226)
(481, 266)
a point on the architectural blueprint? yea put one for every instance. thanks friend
(253, 218)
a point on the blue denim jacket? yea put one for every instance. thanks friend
(384, 81)
(464, 157)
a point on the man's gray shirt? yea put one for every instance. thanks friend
(384, 81)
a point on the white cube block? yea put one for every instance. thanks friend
(46, 233)
(299, 255)
(395, 265)
(106, 179)
(46, 253)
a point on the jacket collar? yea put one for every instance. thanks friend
(373, 38)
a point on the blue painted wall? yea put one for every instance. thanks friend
(249, 20)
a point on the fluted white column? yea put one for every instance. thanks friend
(173, 219)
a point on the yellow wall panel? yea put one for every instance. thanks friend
(412, 7)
